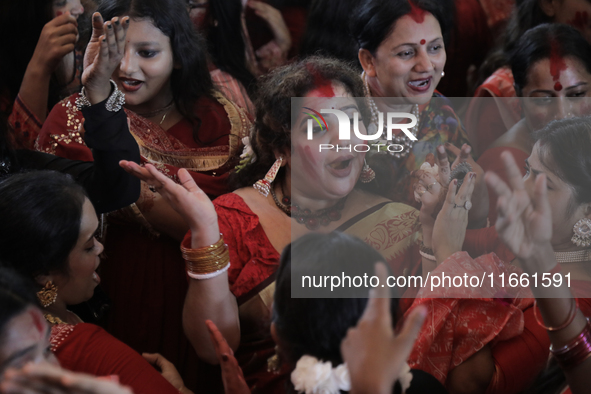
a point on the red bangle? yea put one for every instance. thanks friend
(575, 352)
(569, 320)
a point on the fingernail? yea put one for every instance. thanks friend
(447, 144)
(104, 40)
(117, 22)
(96, 17)
(127, 21)
(225, 357)
(109, 25)
(472, 175)
(59, 13)
(455, 182)
(441, 149)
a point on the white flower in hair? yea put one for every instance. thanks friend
(312, 376)
(247, 151)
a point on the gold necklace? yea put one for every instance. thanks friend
(151, 114)
(53, 320)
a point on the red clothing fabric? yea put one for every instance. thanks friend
(493, 110)
(142, 274)
(491, 161)
(253, 258)
(90, 349)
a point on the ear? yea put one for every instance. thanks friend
(41, 280)
(549, 7)
(367, 61)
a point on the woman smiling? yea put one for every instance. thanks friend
(402, 52)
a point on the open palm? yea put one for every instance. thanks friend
(524, 222)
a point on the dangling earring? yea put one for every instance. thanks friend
(48, 294)
(263, 186)
(367, 174)
(442, 74)
(274, 362)
(582, 235)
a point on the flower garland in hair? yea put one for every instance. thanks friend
(312, 376)
(247, 157)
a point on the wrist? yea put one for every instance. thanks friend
(98, 94)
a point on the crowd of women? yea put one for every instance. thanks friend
(165, 183)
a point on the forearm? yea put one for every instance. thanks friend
(34, 91)
(210, 299)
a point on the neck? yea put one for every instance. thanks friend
(60, 310)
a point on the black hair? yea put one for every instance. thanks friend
(327, 33)
(374, 20)
(564, 148)
(16, 295)
(527, 14)
(316, 326)
(272, 128)
(543, 42)
(226, 44)
(190, 78)
(41, 213)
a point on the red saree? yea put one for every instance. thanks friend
(499, 316)
(494, 109)
(142, 274)
(391, 228)
(90, 349)
(491, 161)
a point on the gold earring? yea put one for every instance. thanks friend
(48, 294)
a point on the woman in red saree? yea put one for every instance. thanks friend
(257, 226)
(544, 94)
(178, 121)
(54, 211)
(494, 108)
(493, 329)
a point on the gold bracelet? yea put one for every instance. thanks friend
(207, 259)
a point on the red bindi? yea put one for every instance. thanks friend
(37, 321)
(557, 63)
(558, 86)
(323, 86)
(417, 14)
(423, 42)
(581, 20)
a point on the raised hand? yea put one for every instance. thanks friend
(187, 199)
(234, 382)
(449, 230)
(274, 53)
(374, 354)
(45, 378)
(57, 39)
(103, 55)
(524, 222)
(479, 212)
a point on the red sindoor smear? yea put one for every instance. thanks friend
(37, 321)
(417, 14)
(581, 20)
(423, 42)
(323, 86)
(557, 64)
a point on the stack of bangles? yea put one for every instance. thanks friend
(576, 351)
(207, 262)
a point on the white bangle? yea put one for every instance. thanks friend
(208, 275)
(427, 256)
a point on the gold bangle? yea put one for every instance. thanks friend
(207, 259)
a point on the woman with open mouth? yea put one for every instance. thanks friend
(179, 121)
(402, 52)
